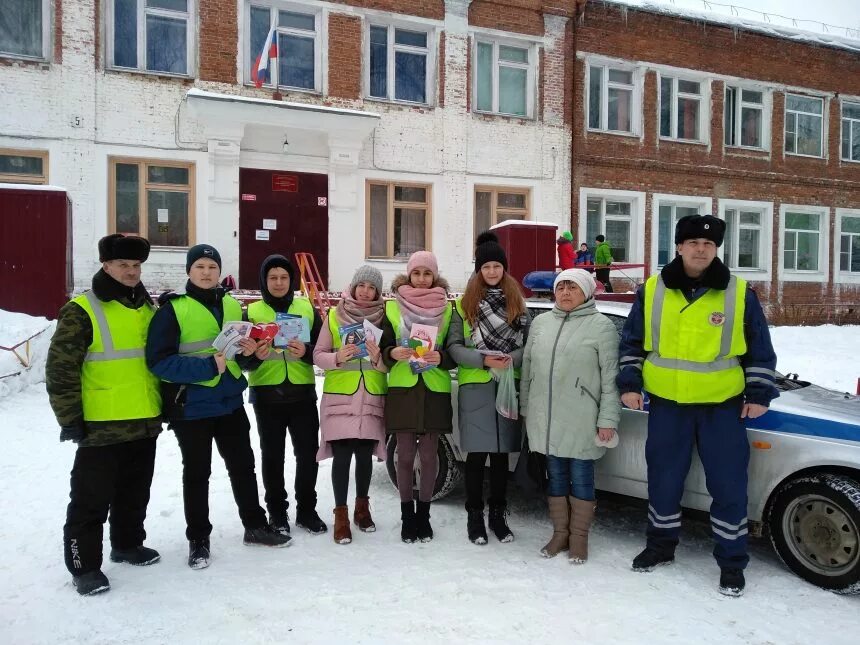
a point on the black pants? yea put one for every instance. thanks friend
(475, 479)
(231, 435)
(602, 275)
(115, 478)
(343, 451)
(302, 420)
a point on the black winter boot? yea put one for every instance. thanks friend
(91, 583)
(475, 526)
(311, 522)
(198, 553)
(651, 558)
(281, 523)
(265, 536)
(732, 582)
(497, 522)
(422, 520)
(409, 530)
(140, 556)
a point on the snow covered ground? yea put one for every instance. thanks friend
(378, 589)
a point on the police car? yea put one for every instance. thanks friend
(804, 474)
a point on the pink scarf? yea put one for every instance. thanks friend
(422, 306)
(349, 311)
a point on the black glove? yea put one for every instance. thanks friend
(74, 432)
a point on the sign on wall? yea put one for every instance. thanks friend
(285, 183)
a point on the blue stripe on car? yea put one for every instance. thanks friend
(796, 424)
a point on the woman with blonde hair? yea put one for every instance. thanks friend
(488, 332)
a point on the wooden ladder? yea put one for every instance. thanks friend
(312, 284)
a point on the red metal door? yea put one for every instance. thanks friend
(35, 250)
(281, 212)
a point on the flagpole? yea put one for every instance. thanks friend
(276, 70)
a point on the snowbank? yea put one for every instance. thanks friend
(825, 355)
(14, 328)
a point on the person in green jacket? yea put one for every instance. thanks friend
(602, 260)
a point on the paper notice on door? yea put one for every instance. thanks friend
(262, 234)
(163, 216)
(270, 224)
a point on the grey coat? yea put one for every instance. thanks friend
(482, 429)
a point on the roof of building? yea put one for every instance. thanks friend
(745, 24)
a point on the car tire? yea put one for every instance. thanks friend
(814, 525)
(447, 478)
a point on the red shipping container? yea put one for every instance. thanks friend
(530, 246)
(35, 249)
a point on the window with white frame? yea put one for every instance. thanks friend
(504, 78)
(746, 238)
(850, 131)
(612, 99)
(804, 125)
(398, 219)
(23, 166)
(683, 110)
(24, 28)
(612, 218)
(745, 118)
(801, 240)
(297, 34)
(151, 35)
(399, 64)
(668, 214)
(494, 205)
(849, 243)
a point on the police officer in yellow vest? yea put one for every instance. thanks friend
(697, 342)
(283, 391)
(107, 401)
(202, 390)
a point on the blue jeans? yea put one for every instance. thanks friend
(568, 476)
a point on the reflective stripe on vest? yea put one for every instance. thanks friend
(401, 375)
(694, 346)
(345, 379)
(198, 328)
(281, 364)
(116, 384)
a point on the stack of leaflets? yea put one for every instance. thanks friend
(422, 339)
(227, 342)
(357, 334)
(291, 327)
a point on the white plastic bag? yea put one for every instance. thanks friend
(507, 402)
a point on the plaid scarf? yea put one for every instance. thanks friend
(492, 330)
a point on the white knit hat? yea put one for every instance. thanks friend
(580, 277)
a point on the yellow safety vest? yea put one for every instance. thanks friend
(693, 348)
(198, 329)
(401, 375)
(345, 379)
(466, 375)
(279, 365)
(116, 385)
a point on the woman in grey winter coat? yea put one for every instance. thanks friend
(570, 404)
(491, 316)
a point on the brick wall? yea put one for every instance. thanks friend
(648, 164)
(218, 40)
(344, 56)
(423, 8)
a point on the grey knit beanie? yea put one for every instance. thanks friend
(369, 274)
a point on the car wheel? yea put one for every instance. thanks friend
(447, 478)
(814, 526)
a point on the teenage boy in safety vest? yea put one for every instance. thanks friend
(283, 391)
(697, 342)
(108, 402)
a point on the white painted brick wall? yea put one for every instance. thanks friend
(133, 115)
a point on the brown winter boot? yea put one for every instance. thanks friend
(342, 533)
(361, 515)
(581, 515)
(559, 514)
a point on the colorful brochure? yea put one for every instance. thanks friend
(227, 341)
(291, 327)
(422, 339)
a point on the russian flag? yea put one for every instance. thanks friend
(260, 71)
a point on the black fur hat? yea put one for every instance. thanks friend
(691, 227)
(123, 247)
(488, 249)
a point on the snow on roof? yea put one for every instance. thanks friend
(738, 22)
(216, 96)
(32, 187)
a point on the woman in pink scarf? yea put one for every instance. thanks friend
(418, 406)
(353, 400)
